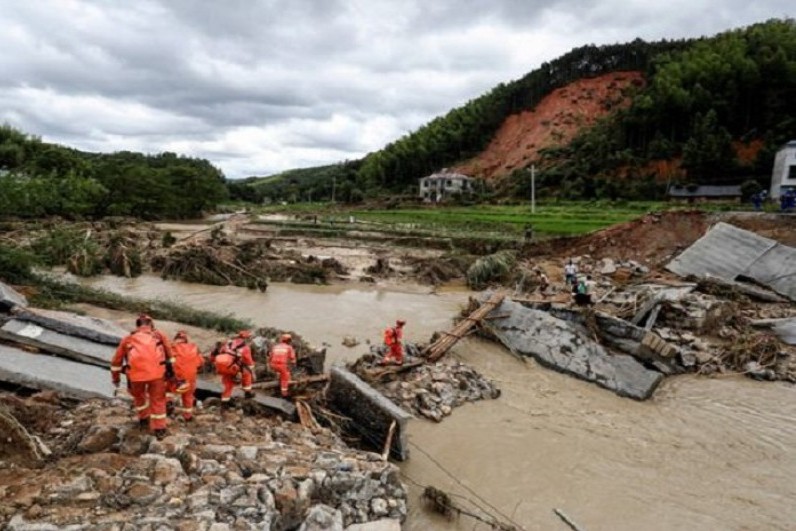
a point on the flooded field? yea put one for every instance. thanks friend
(702, 454)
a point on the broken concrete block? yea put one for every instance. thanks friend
(371, 411)
(655, 345)
(568, 347)
(91, 328)
(10, 298)
(608, 267)
(75, 348)
(39, 371)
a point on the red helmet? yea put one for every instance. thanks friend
(245, 334)
(285, 338)
(400, 322)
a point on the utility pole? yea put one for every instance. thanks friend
(533, 189)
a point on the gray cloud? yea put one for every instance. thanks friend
(259, 86)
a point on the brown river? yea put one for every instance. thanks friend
(702, 454)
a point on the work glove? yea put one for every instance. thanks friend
(170, 371)
(116, 379)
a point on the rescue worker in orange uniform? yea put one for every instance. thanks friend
(145, 357)
(281, 358)
(232, 359)
(187, 361)
(392, 339)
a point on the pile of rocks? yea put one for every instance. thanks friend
(225, 470)
(433, 390)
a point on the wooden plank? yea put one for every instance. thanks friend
(436, 350)
(274, 384)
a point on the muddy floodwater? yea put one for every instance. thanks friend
(702, 454)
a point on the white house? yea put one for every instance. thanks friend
(442, 184)
(784, 175)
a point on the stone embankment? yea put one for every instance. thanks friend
(223, 471)
(430, 390)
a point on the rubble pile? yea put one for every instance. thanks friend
(225, 470)
(430, 390)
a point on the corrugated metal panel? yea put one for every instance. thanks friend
(786, 330)
(729, 252)
(725, 251)
(776, 269)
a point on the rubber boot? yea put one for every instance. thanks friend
(143, 424)
(160, 434)
(249, 394)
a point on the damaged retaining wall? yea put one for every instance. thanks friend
(372, 413)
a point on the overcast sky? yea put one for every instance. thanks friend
(260, 86)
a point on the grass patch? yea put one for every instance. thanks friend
(492, 268)
(55, 294)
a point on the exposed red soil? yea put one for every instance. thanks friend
(656, 238)
(554, 122)
(746, 153)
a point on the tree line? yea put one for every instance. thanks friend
(700, 102)
(44, 179)
(700, 96)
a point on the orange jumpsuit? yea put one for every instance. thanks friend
(392, 338)
(142, 355)
(234, 358)
(281, 356)
(187, 361)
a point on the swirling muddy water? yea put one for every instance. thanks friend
(702, 454)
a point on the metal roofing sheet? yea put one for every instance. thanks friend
(728, 252)
(725, 251)
(786, 330)
(776, 268)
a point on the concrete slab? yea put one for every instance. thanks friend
(40, 371)
(10, 298)
(71, 324)
(63, 345)
(211, 384)
(372, 413)
(569, 348)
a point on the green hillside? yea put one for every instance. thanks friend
(700, 96)
(42, 179)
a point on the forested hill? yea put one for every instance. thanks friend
(42, 179)
(709, 110)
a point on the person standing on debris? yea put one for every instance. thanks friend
(583, 291)
(392, 340)
(145, 357)
(570, 273)
(544, 282)
(281, 358)
(234, 358)
(187, 362)
(528, 234)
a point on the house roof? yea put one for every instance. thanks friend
(704, 191)
(447, 175)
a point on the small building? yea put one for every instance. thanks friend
(438, 186)
(783, 176)
(704, 192)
